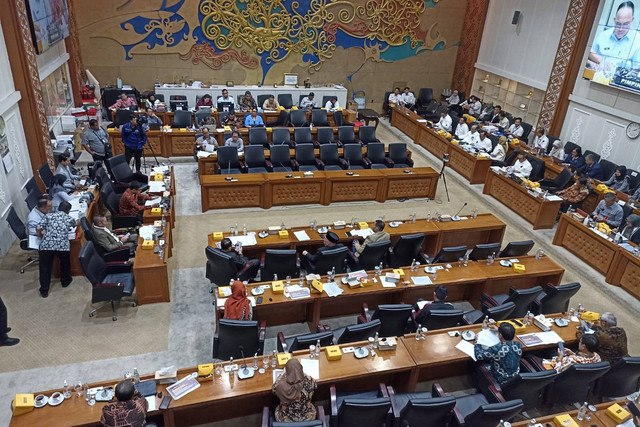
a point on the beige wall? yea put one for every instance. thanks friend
(101, 40)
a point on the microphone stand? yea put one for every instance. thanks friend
(445, 160)
(244, 372)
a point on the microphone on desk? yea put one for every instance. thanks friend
(244, 372)
(456, 217)
(289, 175)
(350, 173)
(228, 177)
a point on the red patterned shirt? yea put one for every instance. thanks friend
(129, 203)
(132, 413)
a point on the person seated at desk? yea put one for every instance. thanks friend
(472, 137)
(226, 98)
(232, 121)
(253, 119)
(575, 194)
(609, 211)
(574, 160)
(521, 166)
(557, 150)
(247, 268)
(504, 357)
(503, 123)
(540, 142)
(472, 106)
(130, 409)
(483, 143)
(132, 201)
(587, 351)
(295, 390)
(64, 168)
(454, 98)
(124, 102)
(395, 98)
(58, 193)
(247, 103)
(37, 215)
(206, 101)
(206, 142)
(612, 340)
(238, 306)
(492, 116)
(462, 129)
(152, 102)
(208, 123)
(332, 104)
(499, 152)
(619, 181)
(408, 98)
(148, 116)
(308, 103)
(331, 241)
(270, 103)
(631, 230)
(438, 303)
(108, 240)
(515, 130)
(592, 168)
(635, 197)
(445, 122)
(235, 141)
(379, 235)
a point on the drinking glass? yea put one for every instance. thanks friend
(79, 388)
(92, 398)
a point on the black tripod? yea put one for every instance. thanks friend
(445, 160)
(144, 156)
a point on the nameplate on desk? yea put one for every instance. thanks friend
(217, 235)
(156, 211)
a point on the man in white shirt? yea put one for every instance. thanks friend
(235, 141)
(516, 130)
(540, 142)
(472, 137)
(395, 98)
(445, 122)
(206, 142)
(522, 166)
(483, 144)
(616, 44)
(454, 99)
(408, 98)
(226, 98)
(308, 102)
(504, 120)
(472, 106)
(462, 129)
(332, 104)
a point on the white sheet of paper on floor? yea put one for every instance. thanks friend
(301, 235)
(487, 338)
(311, 367)
(467, 348)
(421, 280)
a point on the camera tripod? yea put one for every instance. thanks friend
(445, 160)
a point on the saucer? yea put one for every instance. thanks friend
(394, 224)
(56, 399)
(40, 400)
(561, 322)
(263, 234)
(323, 230)
(361, 352)
(257, 290)
(468, 335)
(505, 263)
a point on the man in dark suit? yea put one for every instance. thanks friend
(331, 241)
(247, 268)
(592, 168)
(631, 230)
(108, 240)
(439, 297)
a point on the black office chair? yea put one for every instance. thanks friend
(608, 168)
(333, 258)
(386, 108)
(367, 134)
(258, 136)
(298, 118)
(450, 254)
(357, 332)
(32, 199)
(395, 318)
(202, 114)
(497, 313)
(523, 298)
(377, 156)
(554, 299)
(352, 154)
(425, 96)
(281, 262)
(285, 100)
(622, 379)
(339, 120)
(46, 175)
(514, 249)
(634, 179)
(32, 185)
(330, 159)
(302, 136)
(221, 268)
(373, 254)
(441, 319)
(559, 183)
(281, 159)
(261, 98)
(371, 409)
(181, 119)
(110, 282)
(233, 335)
(228, 161)
(326, 99)
(305, 158)
(18, 228)
(421, 408)
(319, 118)
(281, 136)
(123, 175)
(303, 341)
(268, 420)
(281, 121)
(484, 250)
(537, 168)
(526, 130)
(346, 135)
(111, 200)
(407, 248)
(325, 136)
(398, 157)
(254, 160)
(121, 254)
(526, 386)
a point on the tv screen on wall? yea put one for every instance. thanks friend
(49, 21)
(614, 57)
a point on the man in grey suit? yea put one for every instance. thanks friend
(379, 235)
(108, 240)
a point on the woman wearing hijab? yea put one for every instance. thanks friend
(295, 390)
(619, 180)
(57, 191)
(632, 229)
(557, 150)
(238, 306)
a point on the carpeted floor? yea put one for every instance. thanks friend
(59, 341)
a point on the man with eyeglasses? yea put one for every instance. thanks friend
(226, 98)
(616, 44)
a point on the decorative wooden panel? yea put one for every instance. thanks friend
(517, 200)
(588, 246)
(462, 164)
(631, 279)
(409, 188)
(233, 196)
(180, 145)
(298, 193)
(346, 191)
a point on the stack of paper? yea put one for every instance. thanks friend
(160, 169)
(204, 154)
(301, 235)
(153, 201)
(156, 187)
(487, 338)
(361, 233)
(332, 289)
(421, 280)
(248, 240)
(385, 283)
(540, 338)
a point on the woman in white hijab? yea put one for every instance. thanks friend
(557, 150)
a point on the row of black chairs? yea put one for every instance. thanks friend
(305, 160)
(303, 135)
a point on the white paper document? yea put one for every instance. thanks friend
(332, 289)
(156, 187)
(146, 232)
(386, 283)
(467, 348)
(311, 368)
(554, 198)
(301, 235)
(220, 302)
(34, 242)
(151, 202)
(487, 338)
(248, 240)
(160, 169)
(421, 280)
(204, 154)
(362, 233)
(151, 402)
(422, 303)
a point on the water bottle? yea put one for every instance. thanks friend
(474, 213)
(282, 226)
(375, 341)
(419, 333)
(119, 83)
(274, 359)
(66, 390)
(244, 229)
(318, 348)
(413, 218)
(429, 216)
(284, 347)
(485, 322)
(539, 254)
(255, 362)
(582, 412)
(414, 267)
(490, 259)
(136, 375)
(275, 277)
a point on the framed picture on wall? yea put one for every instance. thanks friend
(291, 79)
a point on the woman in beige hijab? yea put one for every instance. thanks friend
(295, 391)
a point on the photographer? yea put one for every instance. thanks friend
(134, 137)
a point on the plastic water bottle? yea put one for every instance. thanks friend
(318, 348)
(282, 226)
(136, 375)
(375, 341)
(414, 267)
(244, 229)
(419, 333)
(485, 322)
(539, 254)
(490, 259)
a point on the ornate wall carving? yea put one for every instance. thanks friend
(77, 74)
(470, 39)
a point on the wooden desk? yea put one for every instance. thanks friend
(540, 213)
(433, 142)
(301, 190)
(598, 419)
(366, 184)
(151, 273)
(246, 190)
(406, 121)
(419, 183)
(625, 272)
(179, 143)
(468, 165)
